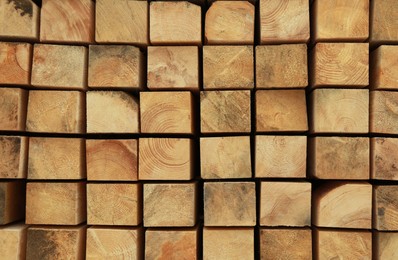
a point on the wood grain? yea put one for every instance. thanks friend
(384, 159)
(383, 22)
(384, 68)
(383, 112)
(13, 103)
(15, 63)
(12, 201)
(13, 241)
(386, 244)
(13, 157)
(385, 207)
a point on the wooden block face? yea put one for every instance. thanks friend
(385, 207)
(229, 204)
(289, 58)
(383, 112)
(343, 205)
(52, 203)
(12, 201)
(173, 67)
(168, 28)
(13, 157)
(15, 62)
(340, 111)
(55, 243)
(228, 243)
(165, 159)
(19, 20)
(340, 64)
(168, 244)
(384, 68)
(292, 243)
(112, 243)
(59, 67)
(284, 21)
(112, 160)
(285, 204)
(13, 241)
(121, 22)
(339, 244)
(56, 158)
(166, 112)
(225, 111)
(67, 21)
(225, 157)
(230, 22)
(384, 159)
(383, 22)
(352, 25)
(281, 110)
(386, 245)
(112, 112)
(281, 156)
(114, 204)
(13, 102)
(170, 205)
(228, 67)
(55, 112)
(340, 158)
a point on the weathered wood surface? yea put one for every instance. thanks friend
(13, 157)
(384, 159)
(15, 63)
(383, 112)
(13, 103)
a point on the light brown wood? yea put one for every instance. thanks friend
(13, 241)
(228, 243)
(175, 23)
(386, 244)
(55, 112)
(166, 112)
(340, 158)
(12, 201)
(173, 67)
(340, 111)
(280, 156)
(56, 158)
(122, 21)
(228, 67)
(281, 110)
(225, 111)
(170, 205)
(340, 65)
(341, 244)
(351, 25)
(384, 68)
(52, 203)
(285, 243)
(384, 159)
(165, 159)
(383, 22)
(281, 66)
(285, 204)
(229, 204)
(384, 112)
(13, 103)
(115, 66)
(342, 205)
(225, 157)
(19, 20)
(15, 63)
(13, 157)
(67, 21)
(56, 242)
(284, 21)
(112, 112)
(385, 207)
(230, 22)
(112, 160)
(59, 67)
(114, 243)
(114, 204)
(171, 244)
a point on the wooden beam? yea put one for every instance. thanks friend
(114, 204)
(281, 111)
(384, 160)
(112, 112)
(229, 204)
(225, 111)
(386, 244)
(13, 157)
(384, 68)
(271, 60)
(112, 160)
(12, 201)
(15, 63)
(13, 103)
(385, 207)
(52, 203)
(225, 157)
(67, 21)
(56, 158)
(13, 241)
(173, 68)
(170, 205)
(230, 22)
(228, 67)
(383, 22)
(383, 113)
